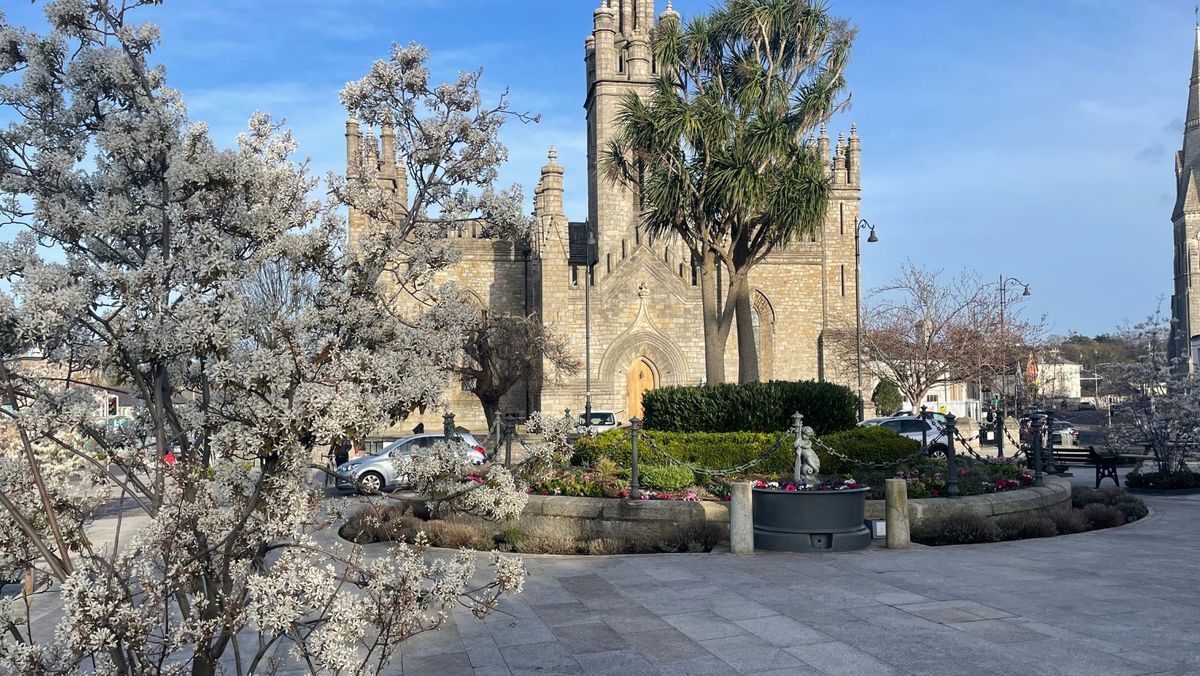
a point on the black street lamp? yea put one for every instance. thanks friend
(1004, 282)
(871, 238)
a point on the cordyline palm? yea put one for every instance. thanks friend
(720, 148)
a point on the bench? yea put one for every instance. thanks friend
(1106, 464)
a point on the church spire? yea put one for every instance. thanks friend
(1193, 108)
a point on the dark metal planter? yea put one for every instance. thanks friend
(810, 521)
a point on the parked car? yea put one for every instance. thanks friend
(937, 416)
(384, 470)
(917, 429)
(1062, 430)
(601, 421)
(871, 422)
(1087, 405)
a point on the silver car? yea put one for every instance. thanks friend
(384, 470)
(919, 429)
(602, 421)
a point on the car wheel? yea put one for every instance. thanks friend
(370, 482)
(937, 452)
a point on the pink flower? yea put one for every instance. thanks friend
(760, 484)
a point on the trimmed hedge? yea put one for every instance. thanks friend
(753, 407)
(732, 449)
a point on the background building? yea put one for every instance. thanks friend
(646, 328)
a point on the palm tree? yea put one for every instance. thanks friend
(721, 148)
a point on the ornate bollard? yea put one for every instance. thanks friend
(1000, 434)
(897, 514)
(635, 426)
(741, 518)
(510, 428)
(448, 426)
(951, 460)
(1048, 453)
(924, 430)
(1035, 430)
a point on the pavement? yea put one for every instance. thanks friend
(1118, 601)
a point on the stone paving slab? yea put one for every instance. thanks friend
(1078, 604)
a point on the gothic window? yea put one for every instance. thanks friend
(763, 321)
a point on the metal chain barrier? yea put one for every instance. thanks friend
(966, 445)
(718, 472)
(919, 453)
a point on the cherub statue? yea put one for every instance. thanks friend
(807, 463)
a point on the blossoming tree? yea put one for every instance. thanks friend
(1161, 410)
(134, 261)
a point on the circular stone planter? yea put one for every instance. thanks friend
(810, 521)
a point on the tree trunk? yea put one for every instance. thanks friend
(739, 291)
(715, 338)
(491, 407)
(914, 394)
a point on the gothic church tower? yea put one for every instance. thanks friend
(1185, 302)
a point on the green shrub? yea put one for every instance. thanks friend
(1103, 516)
(1067, 519)
(1131, 507)
(693, 538)
(865, 444)
(733, 449)
(1082, 496)
(713, 451)
(957, 528)
(752, 407)
(887, 398)
(1160, 481)
(1024, 525)
(380, 524)
(666, 477)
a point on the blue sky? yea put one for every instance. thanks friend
(1032, 138)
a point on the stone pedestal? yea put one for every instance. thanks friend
(897, 514)
(741, 519)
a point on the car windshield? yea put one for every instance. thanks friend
(599, 419)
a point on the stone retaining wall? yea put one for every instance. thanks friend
(1056, 491)
(591, 518)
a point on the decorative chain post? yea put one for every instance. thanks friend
(999, 433)
(1049, 460)
(448, 426)
(1035, 430)
(924, 429)
(510, 428)
(951, 461)
(635, 426)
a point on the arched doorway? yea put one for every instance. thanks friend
(641, 378)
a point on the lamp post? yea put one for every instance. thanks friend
(587, 330)
(1004, 282)
(871, 238)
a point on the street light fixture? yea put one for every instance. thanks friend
(1004, 282)
(871, 238)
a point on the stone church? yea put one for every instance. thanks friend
(645, 328)
(1185, 301)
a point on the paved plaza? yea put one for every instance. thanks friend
(1120, 601)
